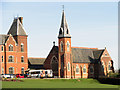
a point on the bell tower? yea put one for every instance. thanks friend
(64, 44)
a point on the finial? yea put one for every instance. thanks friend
(105, 46)
(63, 7)
(53, 43)
(17, 15)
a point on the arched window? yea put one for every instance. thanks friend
(77, 68)
(22, 47)
(22, 70)
(2, 48)
(11, 59)
(102, 66)
(109, 66)
(54, 64)
(68, 46)
(22, 59)
(61, 44)
(84, 69)
(11, 70)
(2, 58)
(68, 66)
(10, 47)
(91, 69)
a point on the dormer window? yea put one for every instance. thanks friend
(67, 31)
(10, 47)
(22, 47)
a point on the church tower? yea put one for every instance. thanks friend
(64, 44)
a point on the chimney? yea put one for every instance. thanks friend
(21, 19)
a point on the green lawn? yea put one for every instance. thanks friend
(56, 83)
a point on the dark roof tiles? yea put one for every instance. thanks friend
(36, 61)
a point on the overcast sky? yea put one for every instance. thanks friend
(91, 24)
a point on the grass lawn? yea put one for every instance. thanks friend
(56, 83)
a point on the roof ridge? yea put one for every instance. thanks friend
(85, 48)
(35, 58)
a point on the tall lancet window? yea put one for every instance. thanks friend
(61, 45)
(68, 46)
(84, 69)
(109, 66)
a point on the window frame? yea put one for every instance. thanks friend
(109, 64)
(61, 46)
(12, 59)
(68, 46)
(77, 67)
(84, 68)
(91, 67)
(22, 70)
(102, 66)
(11, 70)
(2, 58)
(22, 47)
(2, 49)
(68, 66)
(10, 47)
(22, 57)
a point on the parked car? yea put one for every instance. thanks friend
(8, 76)
(20, 75)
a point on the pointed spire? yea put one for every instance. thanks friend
(64, 31)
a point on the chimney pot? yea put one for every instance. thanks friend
(21, 19)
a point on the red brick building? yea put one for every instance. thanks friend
(76, 62)
(13, 49)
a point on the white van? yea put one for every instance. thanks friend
(40, 73)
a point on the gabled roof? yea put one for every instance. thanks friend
(97, 53)
(36, 61)
(3, 39)
(82, 54)
(86, 55)
(64, 31)
(17, 27)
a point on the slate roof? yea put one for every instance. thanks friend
(64, 31)
(3, 39)
(83, 54)
(16, 28)
(97, 53)
(86, 55)
(36, 61)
